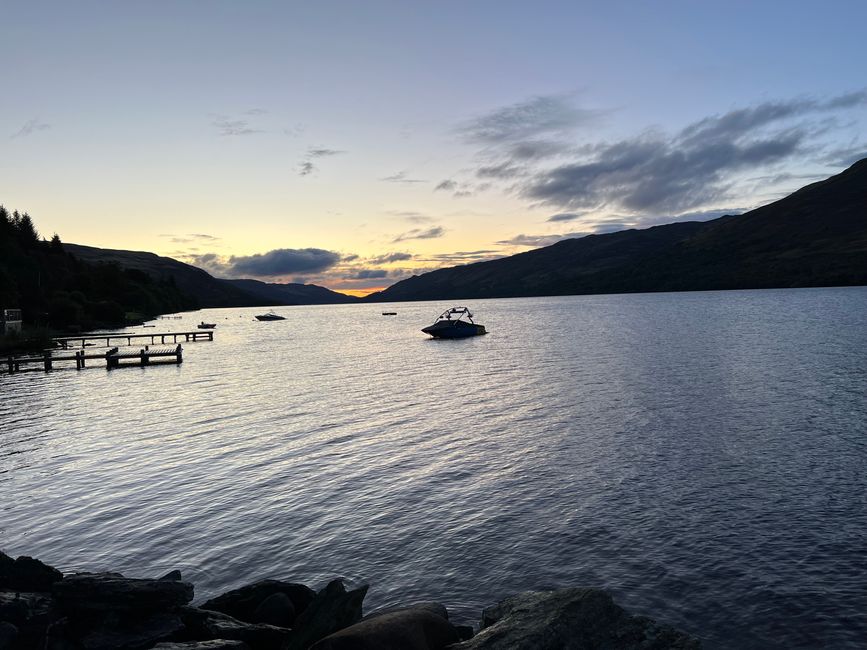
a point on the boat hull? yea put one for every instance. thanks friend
(454, 330)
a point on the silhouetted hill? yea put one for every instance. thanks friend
(816, 236)
(291, 293)
(207, 290)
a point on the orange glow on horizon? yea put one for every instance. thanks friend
(359, 293)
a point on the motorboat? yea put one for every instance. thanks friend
(455, 323)
(206, 326)
(270, 316)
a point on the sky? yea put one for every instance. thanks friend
(353, 144)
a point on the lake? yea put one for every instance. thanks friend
(703, 456)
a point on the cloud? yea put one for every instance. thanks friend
(465, 257)
(447, 185)
(412, 216)
(390, 258)
(306, 168)
(419, 233)
(537, 241)
(278, 262)
(401, 177)
(501, 170)
(565, 216)
(368, 274)
(229, 127)
(30, 127)
(542, 115)
(689, 169)
(321, 152)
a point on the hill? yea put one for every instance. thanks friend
(207, 290)
(816, 236)
(291, 293)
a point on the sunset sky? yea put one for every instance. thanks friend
(351, 144)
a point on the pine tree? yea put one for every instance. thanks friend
(56, 244)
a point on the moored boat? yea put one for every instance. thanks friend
(455, 323)
(206, 326)
(270, 316)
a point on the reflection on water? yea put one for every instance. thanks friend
(701, 455)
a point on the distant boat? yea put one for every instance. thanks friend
(451, 325)
(389, 313)
(206, 326)
(270, 316)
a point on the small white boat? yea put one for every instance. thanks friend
(270, 316)
(451, 325)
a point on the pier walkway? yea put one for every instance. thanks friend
(84, 340)
(113, 358)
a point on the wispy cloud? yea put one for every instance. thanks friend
(538, 117)
(420, 233)
(367, 274)
(30, 127)
(307, 166)
(401, 177)
(565, 216)
(226, 126)
(390, 258)
(412, 216)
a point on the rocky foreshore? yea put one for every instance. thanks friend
(41, 608)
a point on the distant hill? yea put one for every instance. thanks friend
(291, 293)
(814, 237)
(207, 290)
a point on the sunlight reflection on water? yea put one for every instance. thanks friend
(701, 455)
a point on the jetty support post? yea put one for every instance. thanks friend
(144, 358)
(179, 352)
(11, 362)
(111, 360)
(46, 360)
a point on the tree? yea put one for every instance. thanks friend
(56, 245)
(26, 228)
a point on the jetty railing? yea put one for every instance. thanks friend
(67, 342)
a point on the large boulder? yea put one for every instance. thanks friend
(332, 609)
(206, 625)
(570, 619)
(422, 627)
(248, 603)
(26, 574)
(99, 593)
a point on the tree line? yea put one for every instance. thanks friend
(56, 290)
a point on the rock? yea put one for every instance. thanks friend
(242, 603)
(216, 644)
(333, 609)
(465, 632)
(26, 574)
(412, 628)
(8, 634)
(434, 608)
(276, 609)
(30, 613)
(97, 593)
(570, 619)
(126, 634)
(172, 576)
(207, 625)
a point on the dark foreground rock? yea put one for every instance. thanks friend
(570, 619)
(26, 574)
(202, 624)
(264, 602)
(107, 611)
(331, 610)
(421, 627)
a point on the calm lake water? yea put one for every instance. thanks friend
(701, 455)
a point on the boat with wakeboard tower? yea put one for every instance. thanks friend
(270, 316)
(455, 323)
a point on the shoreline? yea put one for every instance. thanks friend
(40, 607)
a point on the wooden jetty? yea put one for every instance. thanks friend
(114, 358)
(67, 342)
